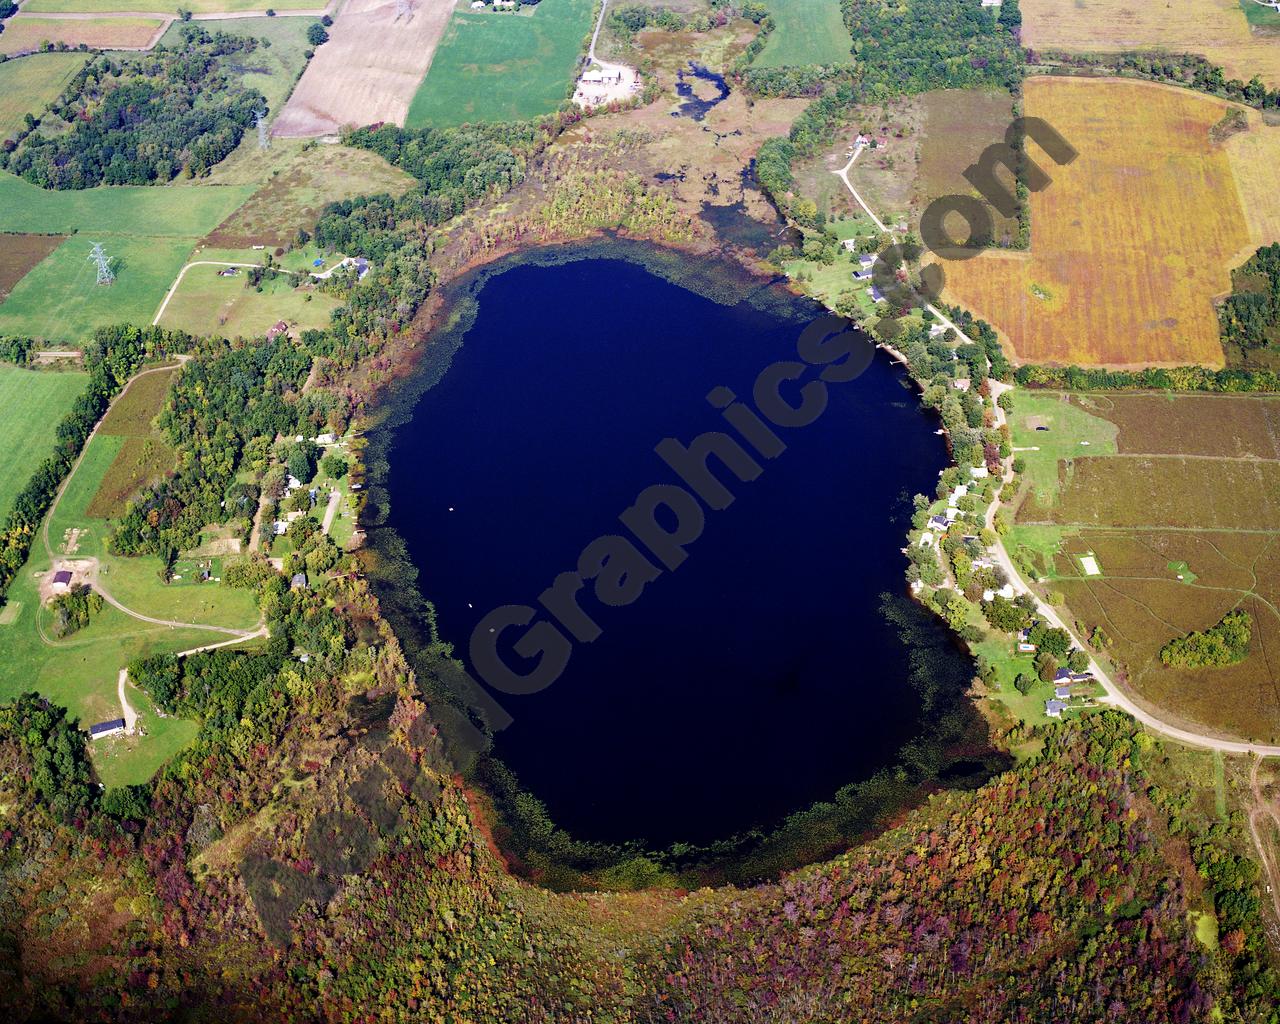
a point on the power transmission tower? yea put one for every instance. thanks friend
(404, 9)
(103, 261)
(260, 118)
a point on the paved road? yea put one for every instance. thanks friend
(1114, 695)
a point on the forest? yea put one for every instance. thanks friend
(1250, 316)
(142, 119)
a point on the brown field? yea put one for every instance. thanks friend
(140, 461)
(1130, 243)
(1194, 491)
(1243, 426)
(958, 125)
(368, 71)
(23, 33)
(19, 253)
(296, 194)
(1215, 29)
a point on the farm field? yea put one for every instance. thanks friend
(1130, 243)
(27, 85)
(115, 209)
(806, 32)
(167, 8)
(19, 253)
(23, 32)
(368, 71)
(59, 300)
(143, 455)
(502, 67)
(302, 181)
(208, 304)
(1182, 523)
(1216, 29)
(32, 403)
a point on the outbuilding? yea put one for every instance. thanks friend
(107, 728)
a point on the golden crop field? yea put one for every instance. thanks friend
(1215, 29)
(24, 33)
(1133, 240)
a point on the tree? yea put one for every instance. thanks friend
(316, 35)
(1046, 666)
(1024, 683)
(1078, 661)
(334, 466)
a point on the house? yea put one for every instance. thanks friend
(1062, 692)
(939, 522)
(936, 330)
(325, 439)
(850, 244)
(866, 260)
(107, 728)
(277, 329)
(1063, 675)
(983, 563)
(62, 580)
(979, 472)
(876, 295)
(293, 483)
(1006, 592)
(477, 4)
(279, 527)
(299, 581)
(1054, 708)
(862, 275)
(1082, 677)
(228, 271)
(362, 267)
(961, 383)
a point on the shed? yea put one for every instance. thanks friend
(107, 728)
(299, 581)
(62, 579)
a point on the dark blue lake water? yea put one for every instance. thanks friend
(754, 679)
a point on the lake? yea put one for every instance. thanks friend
(754, 679)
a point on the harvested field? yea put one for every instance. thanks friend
(1254, 156)
(1130, 243)
(27, 85)
(1184, 520)
(23, 33)
(1215, 29)
(368, 71)
(19, 253)
(168, 7)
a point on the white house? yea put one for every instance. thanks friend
(979, 472)
(1052, 708)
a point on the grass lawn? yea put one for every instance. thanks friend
(165, 6)
(189, 212)
(1072, 433)
(1256, 14)
(32, 403)
(806, 32)
(60, 301)
(502, 67)
(208, 304)
(27, 84)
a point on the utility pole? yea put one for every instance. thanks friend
(260, 118)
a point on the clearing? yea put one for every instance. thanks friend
(208, 303)
(19, 253)
(24, 33)
(495, 66)
(27, 85)
(32, 403)
(1182, 524)
(1216, 29)
(1131, 242)
(806, 32)
(368, 71)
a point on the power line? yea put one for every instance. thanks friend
(105, 274)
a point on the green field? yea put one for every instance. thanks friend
(208, 304)
(32, 403)
(29, 83)
(120, 209)
(1071, 433)
(59, 300)
(1264, 17)
(502, 67)
(806, 32)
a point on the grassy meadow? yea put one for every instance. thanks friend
(32, 403)
(806, 32)
(502, 67)
(208, 304)
(29, 83)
